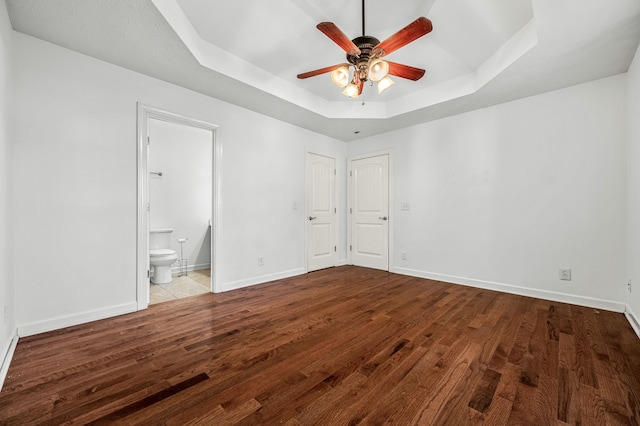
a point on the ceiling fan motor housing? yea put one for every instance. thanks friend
(366, 45)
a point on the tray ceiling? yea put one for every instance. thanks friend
(248, 53)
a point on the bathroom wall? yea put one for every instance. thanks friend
(76, 182)
(181, 197)
(7, 315)
(504, 196)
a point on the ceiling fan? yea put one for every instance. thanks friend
(364, 53)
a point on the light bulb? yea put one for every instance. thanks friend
(340, 76)
(351, 90)
(378, 69)
(384, 84)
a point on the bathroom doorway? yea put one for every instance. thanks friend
(177, 194)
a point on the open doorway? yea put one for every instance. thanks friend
(177, 199)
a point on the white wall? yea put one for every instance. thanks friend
(507, 195)
(633, 173)
(75, 184)
(7, 320)
(181, 198)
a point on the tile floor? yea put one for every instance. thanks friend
(196, 282)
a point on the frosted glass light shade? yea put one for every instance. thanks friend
(351, 90)
(378, 70)
(384, 84)
(340, 76)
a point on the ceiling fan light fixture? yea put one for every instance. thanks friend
(378, 69)
(340, 76)
(351, 90)
(384, 84)
(364, 53)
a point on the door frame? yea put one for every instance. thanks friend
(144, 114)
(306, 203)
(350, 191)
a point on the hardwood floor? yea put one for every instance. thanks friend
(340, 346)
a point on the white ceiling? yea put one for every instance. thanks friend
(480, 53)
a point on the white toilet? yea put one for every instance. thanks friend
(161, 257)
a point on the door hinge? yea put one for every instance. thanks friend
(350, 173)
(350, 211)
(335, 248)
(334, 172)
(148, 273)
(334, 210)
(148, 140)
(350, 248)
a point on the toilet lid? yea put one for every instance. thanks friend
(161, 252)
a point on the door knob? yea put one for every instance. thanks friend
(312, 217)
(383, 218)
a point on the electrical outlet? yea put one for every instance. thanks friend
(404, 255)
(629, 286)
(565, 274)
(405, 205)
(260, 261)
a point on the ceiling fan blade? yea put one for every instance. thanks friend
(405, 71)
(411, 32)
(319, 71)
(333, 32)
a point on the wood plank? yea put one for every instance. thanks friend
(483, 394)
(568, 384)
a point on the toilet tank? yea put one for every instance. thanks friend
(160, 238)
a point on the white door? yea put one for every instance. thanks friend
(321, 212)
(369, 211)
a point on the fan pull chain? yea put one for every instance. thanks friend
(363, 33)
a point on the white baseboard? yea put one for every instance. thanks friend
(75, 319)
(175, 270)
(7, 356)
(608, 305)
(234, 285)
(342, 262)
(633, 320)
